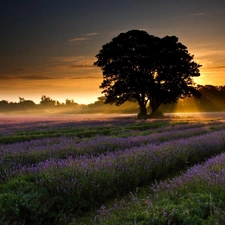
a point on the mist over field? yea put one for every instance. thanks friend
(212, 100)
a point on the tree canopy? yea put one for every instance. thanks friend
(140, 67)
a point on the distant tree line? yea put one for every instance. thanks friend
(212, 99)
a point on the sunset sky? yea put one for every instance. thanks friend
(48, 47)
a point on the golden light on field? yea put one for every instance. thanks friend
(183, 106)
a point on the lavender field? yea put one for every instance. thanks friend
(65, 170)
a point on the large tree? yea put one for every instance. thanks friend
(140, 67)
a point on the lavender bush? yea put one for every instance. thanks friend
(196, 197)
(15, 156)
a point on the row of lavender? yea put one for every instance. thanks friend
(86, 181)
(23, 156)
(22, 126)
(78, 176)
(90, 179)
(13, 125)
(196, 197)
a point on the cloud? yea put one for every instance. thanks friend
(78, 39)
(34, 77)
(74, 59)
(82, 66)
(92, 34)
(20, 69)
(6, 77)
(57, 69)
(210, 57)
(84, 77)
(25, 77)
(72, 66)
(212, 53)
(216, 67)
(198, 14)
(73, 62)
(65, 67)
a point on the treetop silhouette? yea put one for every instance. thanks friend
(147, 69)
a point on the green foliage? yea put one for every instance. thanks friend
(22, 202)
(86, 132)
(197, 206)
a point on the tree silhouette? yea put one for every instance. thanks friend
(140, 67)
(174, 70)
(47, 101)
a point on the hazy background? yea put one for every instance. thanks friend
(212, 100)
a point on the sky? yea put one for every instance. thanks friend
(48, 46)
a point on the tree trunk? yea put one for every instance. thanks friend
(143, 112)
(154, 104)
(154, 107)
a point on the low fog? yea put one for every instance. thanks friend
(212, 100)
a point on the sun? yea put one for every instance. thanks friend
(203, 79)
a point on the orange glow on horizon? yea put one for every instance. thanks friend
(81, 83)
(82, 91)
(211, 77)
